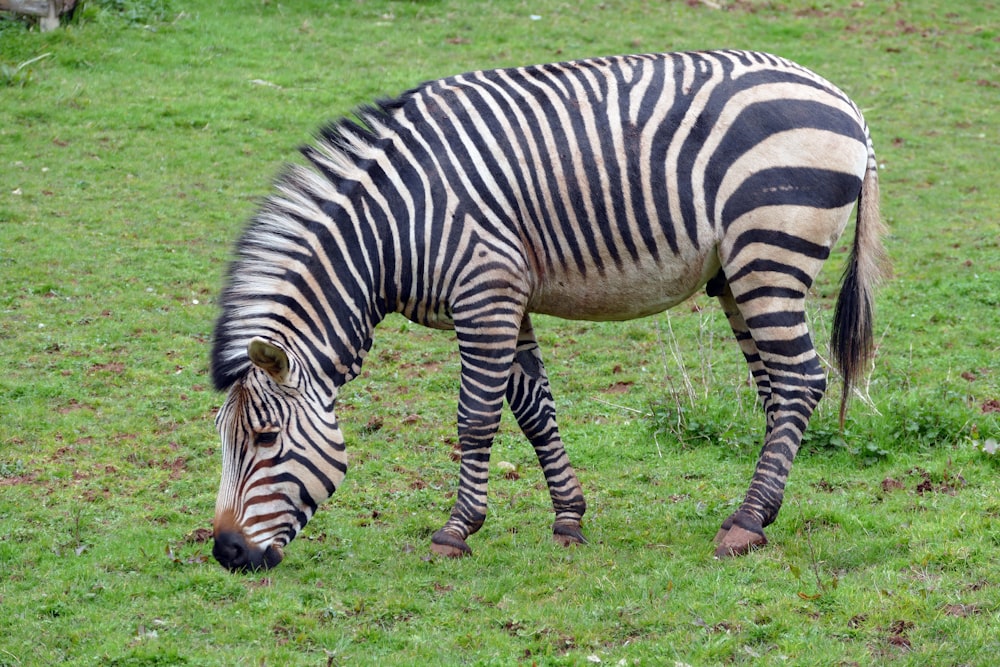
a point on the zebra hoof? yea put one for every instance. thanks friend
(568, 534)
(724, 530)
(448, 545)
(738, 542)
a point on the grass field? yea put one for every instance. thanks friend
(134, 144)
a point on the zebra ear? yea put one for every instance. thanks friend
(270, 358)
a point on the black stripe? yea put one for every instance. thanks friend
(769, 265)
(791, 186)
(784, 318)
(786, 347)
(779, 239)
(770, 291)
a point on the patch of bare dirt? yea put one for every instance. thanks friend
(113, 367)
(198, 536)
(619, 388)
(961, 610)
(925, 482)
(889, 484)
(15, 480)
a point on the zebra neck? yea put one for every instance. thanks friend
(349, 302)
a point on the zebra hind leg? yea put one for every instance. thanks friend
(790, 380)
(530, 399)
(719, 287)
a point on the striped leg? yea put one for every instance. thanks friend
(487, 328)
(767, 313)
(531, 402)
(719, 287)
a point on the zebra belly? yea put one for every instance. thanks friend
(623, 293)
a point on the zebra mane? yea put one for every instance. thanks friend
(344, 146)
(273, 237)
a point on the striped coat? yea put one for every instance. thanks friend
(603, 189)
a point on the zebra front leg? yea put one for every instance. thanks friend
(487, 344)
(530, 399)
(477, 426)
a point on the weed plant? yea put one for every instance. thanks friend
(136, 141)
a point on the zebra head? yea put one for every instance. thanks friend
(282, 455)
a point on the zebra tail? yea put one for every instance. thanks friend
(852, 343)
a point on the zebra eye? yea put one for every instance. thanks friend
(265, 439)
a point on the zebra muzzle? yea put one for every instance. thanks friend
(236, 555)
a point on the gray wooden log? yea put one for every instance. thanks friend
(48, 11)
(29, 7)
(37, 7)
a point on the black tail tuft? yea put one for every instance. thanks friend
(852, 343)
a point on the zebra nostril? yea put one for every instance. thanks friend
(231, 550)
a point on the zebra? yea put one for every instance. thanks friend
(600, 189)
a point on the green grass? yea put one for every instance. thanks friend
(135, 142)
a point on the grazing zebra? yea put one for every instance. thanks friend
(603, 189)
